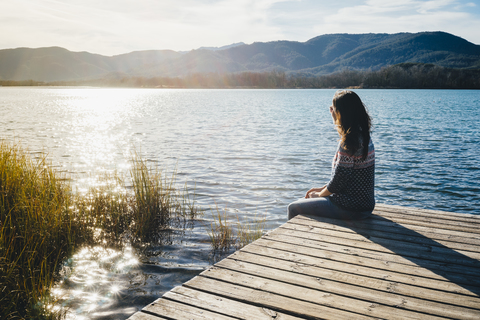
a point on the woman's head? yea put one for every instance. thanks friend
(352, 120)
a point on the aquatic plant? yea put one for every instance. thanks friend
(38, 230)
(225, 234)
(221, 232)
(42, 222)
(106, 209)
(249, 231)
(157, 204)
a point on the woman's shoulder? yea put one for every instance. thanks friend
(343, 149)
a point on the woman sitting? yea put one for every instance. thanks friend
(350, 192)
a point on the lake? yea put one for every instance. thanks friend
(249, 152)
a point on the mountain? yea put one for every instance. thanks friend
(221, 48)
(331, 53)
(321, 55)
(55, 63)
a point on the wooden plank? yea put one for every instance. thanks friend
(364, 293)
(297, 262)
(380, 207)
(403, 263)
(430, 252)
(175, 310)
(450, 263)
(432, 218)
(469, 226)
(398, 234)
(145, 316)
(282, 303)
(318, 296)
(430, 222)
(372, 234)
(374, 261)
(321, 272)
(227, 306)
(401, 227)
(390, 226)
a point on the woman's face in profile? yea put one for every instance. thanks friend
(332, 113)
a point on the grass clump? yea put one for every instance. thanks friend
(106, 209)
(42, 222)
(249, 231)
(221, 232)
(157, 204)
(225, 234)
(154, 204)
(38, 230)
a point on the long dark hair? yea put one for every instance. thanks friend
(352, 120)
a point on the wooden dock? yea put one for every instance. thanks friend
(403, 263)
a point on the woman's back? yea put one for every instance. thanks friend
(353, 179)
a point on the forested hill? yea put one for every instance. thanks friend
(321, 55)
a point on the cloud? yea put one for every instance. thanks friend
(429, 6)
(113, 27)
(379, 16)
(116, 26)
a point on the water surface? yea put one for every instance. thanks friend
(250, 152)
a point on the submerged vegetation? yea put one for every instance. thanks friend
(400, 76)
(43, 222)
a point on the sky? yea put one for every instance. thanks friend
(111, 27)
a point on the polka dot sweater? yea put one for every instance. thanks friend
(353, 179)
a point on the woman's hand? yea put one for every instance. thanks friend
(313, 193)
(318, 192)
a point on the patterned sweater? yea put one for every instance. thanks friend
(353, 179)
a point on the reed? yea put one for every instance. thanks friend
(157, 204)
(38, 230)
(221, 232)
(42, 222)
(225, 234)
(249, 231)
(106, 209)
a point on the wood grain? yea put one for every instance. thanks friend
(402, 263)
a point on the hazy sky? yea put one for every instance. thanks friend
(112, 27)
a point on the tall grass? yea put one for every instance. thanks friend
(249, 231)
(221, 232)
(106, 209)
(42, 222)
(225, 234)
(38, 230)
(157, 204)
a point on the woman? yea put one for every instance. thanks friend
(350, 192)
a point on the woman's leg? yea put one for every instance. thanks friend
(322, 207)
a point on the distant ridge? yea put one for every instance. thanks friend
(223, 47)
(321, 55)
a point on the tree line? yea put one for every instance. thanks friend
(400, 76)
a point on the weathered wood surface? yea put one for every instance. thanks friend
(403, 263)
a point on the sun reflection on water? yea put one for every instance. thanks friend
(93, 280)
(96, 129)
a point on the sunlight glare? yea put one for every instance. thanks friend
(95, 126)
(96, 275)
(115, 289)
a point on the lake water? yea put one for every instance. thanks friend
(249, 152)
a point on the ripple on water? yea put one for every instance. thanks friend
(249, 152)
